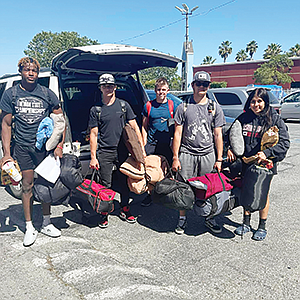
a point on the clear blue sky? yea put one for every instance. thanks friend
(240, 22)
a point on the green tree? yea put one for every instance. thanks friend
(208, 60)
(275, 70)
(149, 76)
(294, 51)
(218, 84)
(272, 50)
(45, 45)
(241, 55)
(225, 50)
(251, 48)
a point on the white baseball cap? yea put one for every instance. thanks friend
(106, 79)
(201, 76)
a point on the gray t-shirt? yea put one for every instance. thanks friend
(198, 124)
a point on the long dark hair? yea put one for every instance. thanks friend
(265, 115)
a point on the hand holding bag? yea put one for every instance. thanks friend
(96, 194)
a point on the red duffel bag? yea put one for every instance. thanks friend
(96, 194)
(210, 184)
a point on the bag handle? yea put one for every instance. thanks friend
(220, 177)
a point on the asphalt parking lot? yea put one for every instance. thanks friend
(147, 260)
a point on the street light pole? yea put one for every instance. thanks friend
(185, 11)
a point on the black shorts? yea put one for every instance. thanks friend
(28, 157)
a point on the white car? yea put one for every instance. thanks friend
(290, 106)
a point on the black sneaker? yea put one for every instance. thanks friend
(126, 215)
(213, 226)
(104, 221)
(180, 226)
(147, 201)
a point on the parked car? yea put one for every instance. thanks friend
(233, 99)
(151, 95)
(290, 106)
(74, 79)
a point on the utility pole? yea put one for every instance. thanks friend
(186, 45)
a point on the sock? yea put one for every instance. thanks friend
(29, 226)
(181, 220)
(262, 223)
(247, 220)
(46, 220)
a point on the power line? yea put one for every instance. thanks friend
(172, 23)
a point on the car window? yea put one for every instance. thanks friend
(273, 99)
(293, 98)
(227, 98)
(2, 88)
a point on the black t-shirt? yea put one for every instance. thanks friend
(28, 109)
(111, 123)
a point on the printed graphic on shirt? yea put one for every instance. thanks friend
(30, 109)
(248, 130)
(194, 128)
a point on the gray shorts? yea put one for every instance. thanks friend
(196, 165)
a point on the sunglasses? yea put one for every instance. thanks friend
(202, 83)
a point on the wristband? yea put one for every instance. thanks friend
(218, 160)
(60, 147)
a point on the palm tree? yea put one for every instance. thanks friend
(294, 51)
(241, 55)
(272, 50)
(251, 48)
(208, 60)
(225, 50)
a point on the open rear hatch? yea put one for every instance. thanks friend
(111, 58)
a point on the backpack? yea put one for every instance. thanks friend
(99, 109)
(130, 137)
(211, 108)
(216, 204)
(170, 105)
(44, 90)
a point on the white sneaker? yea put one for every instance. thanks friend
(51, 231)
(30, 237)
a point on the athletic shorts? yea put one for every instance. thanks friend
(28, 157)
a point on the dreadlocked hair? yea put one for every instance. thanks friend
(28, 60)
(265, 116)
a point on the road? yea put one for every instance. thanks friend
(147, 260)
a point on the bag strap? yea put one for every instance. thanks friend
(223, 184)
(170, 106)
(214, 206)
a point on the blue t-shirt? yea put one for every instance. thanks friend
(158, 130)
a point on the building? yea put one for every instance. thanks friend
(241, 73)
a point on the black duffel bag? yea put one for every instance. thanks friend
(255, 188)
(174, 194)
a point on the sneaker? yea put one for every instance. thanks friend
(243, 229)
(260, 234)
(181, 226)
(51, 230)
(213, 226)
(147, 201)
(30, 237)
(104, 221)
(125, 215)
